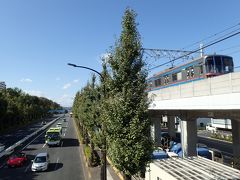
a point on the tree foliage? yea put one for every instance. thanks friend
(18, 108)
(119, 104)
(129, 144)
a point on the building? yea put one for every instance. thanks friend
(197, 168)
(2, 85)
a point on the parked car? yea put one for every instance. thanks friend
(40, 162)
(17, 159)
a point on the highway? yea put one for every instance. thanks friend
(12, 137)
(65, 161)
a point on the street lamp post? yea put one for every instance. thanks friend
(103, 150)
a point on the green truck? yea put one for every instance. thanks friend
(53, 136)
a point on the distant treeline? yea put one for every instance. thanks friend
(18, 108)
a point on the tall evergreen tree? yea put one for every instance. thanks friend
(125, 113)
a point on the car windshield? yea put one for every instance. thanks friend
(40, 159)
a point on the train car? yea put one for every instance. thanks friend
(200, 68)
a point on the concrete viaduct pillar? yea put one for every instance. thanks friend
(236, 142)
(171, 126)
(188, 136)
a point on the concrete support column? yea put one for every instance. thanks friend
(171, 126)
(189, 137)
(156, 131)
(236, 143)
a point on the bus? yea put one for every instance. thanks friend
(53, 136)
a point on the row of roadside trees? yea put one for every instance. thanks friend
(18, 108)
(117, 105)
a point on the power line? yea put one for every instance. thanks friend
(197, 50)
(232, 47)
(198, 42)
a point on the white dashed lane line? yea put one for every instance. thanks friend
(56, 164)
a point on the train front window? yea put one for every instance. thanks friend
(227, 64)
(218, 64)
(209, 65)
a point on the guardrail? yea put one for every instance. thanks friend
(10, 149)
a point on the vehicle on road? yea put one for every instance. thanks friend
(53, 136)
(201, 151)
(40, 162)
(17, 160)
(216, 155)
(209, 127)
(59, 125)
(44, 122)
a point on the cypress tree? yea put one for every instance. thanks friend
(125, 112)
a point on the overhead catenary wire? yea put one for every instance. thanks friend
(211, 36)
(232, 47)
(220, 40)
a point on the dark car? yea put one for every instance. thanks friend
(17, 160)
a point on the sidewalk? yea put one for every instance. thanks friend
(93, 173)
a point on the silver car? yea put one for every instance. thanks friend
(40, 162)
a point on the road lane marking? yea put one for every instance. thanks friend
(33, 140)
(56, 164)
(27, 167)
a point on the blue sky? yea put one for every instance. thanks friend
(38, 38)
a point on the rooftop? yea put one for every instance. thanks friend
(196, 168)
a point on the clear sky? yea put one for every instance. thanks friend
(39, 37)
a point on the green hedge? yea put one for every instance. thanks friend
(222, 137)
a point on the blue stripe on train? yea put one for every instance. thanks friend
(177, 83)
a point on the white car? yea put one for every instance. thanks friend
(59, 124)
(209, 127)
(40, 162)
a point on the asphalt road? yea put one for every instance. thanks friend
(225, 147)
(12, 137)
(65, 161)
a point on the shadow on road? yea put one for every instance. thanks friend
(54, 166)
(69, 142)
(29, 149)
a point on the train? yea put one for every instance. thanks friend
(200, 68)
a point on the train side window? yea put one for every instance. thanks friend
(179, 76)
(174, 77)
(166, 79)
(150, 84)
(192, 72)
(157, 82)
(201, 70)
(188, 73)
